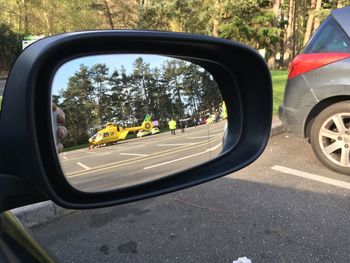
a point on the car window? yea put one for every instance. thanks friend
(329, 38)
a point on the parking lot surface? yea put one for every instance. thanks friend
(134, 161)
(285, 207)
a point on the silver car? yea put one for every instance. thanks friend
(317, 96)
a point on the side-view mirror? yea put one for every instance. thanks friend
(142, 113)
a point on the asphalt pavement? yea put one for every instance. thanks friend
(285, 207)
(134, 161)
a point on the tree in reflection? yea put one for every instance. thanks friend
(96, 95)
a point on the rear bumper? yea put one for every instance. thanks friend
(298, 102)
(290, 119)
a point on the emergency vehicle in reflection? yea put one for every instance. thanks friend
(112, 133)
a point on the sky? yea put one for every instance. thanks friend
(113, 61)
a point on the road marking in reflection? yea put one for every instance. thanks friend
(134, 154)
(175, 144)
(201, 137)
(183, 158)
(97, 153)
(83, 166)
(221, 130)
(65, 157)
(104, 153)
(310, 176)
(135, 160)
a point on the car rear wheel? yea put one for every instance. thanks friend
(330, 137)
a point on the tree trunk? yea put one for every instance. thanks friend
(26, 26)
(109, 14)
(272, 61)
(295, 32)
(289, 40)
(215, 31)
(317, 19)
(276, 7)
(310, 22)
(273, 52)
(340, 4)
(46, 16)
(19, 16)
(216, 16)
(282, 35)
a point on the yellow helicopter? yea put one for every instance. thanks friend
(112, 133)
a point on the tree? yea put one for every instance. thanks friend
(10, 47)
(317, 10)
(251, 22)
(277, 16)
(154, 16)
(277, 26)
(310, 22)
(290, 33)
(99, 76)
(173, 71)
(79, 106)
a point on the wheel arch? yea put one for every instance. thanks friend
(320, 106)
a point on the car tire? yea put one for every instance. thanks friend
(330, 137)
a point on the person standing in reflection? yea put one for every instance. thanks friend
(182, 126)
(61, 131)
(172, 126)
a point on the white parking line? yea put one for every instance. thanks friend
(221, 130)
(83, 166)
(183, 158)
(310, 176)
(105, 153)
(134, 154)
(201, 137)
(65, 157)
(99, 154)
(175, 144)
(135, 160)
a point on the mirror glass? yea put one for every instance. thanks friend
(124, 119)
(2, 87)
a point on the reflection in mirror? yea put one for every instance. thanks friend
(134, 118)
(2, 87)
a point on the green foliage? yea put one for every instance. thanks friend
(155, 16)
(96, 95)
(10, 47)
(173, 15)
(79, 106)
(251, 24)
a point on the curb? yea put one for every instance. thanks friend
(276, 127)
(39, 213)
(44, 212)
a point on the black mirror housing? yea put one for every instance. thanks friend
(28, 153)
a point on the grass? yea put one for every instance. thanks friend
(3, 75)
(279, 79)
